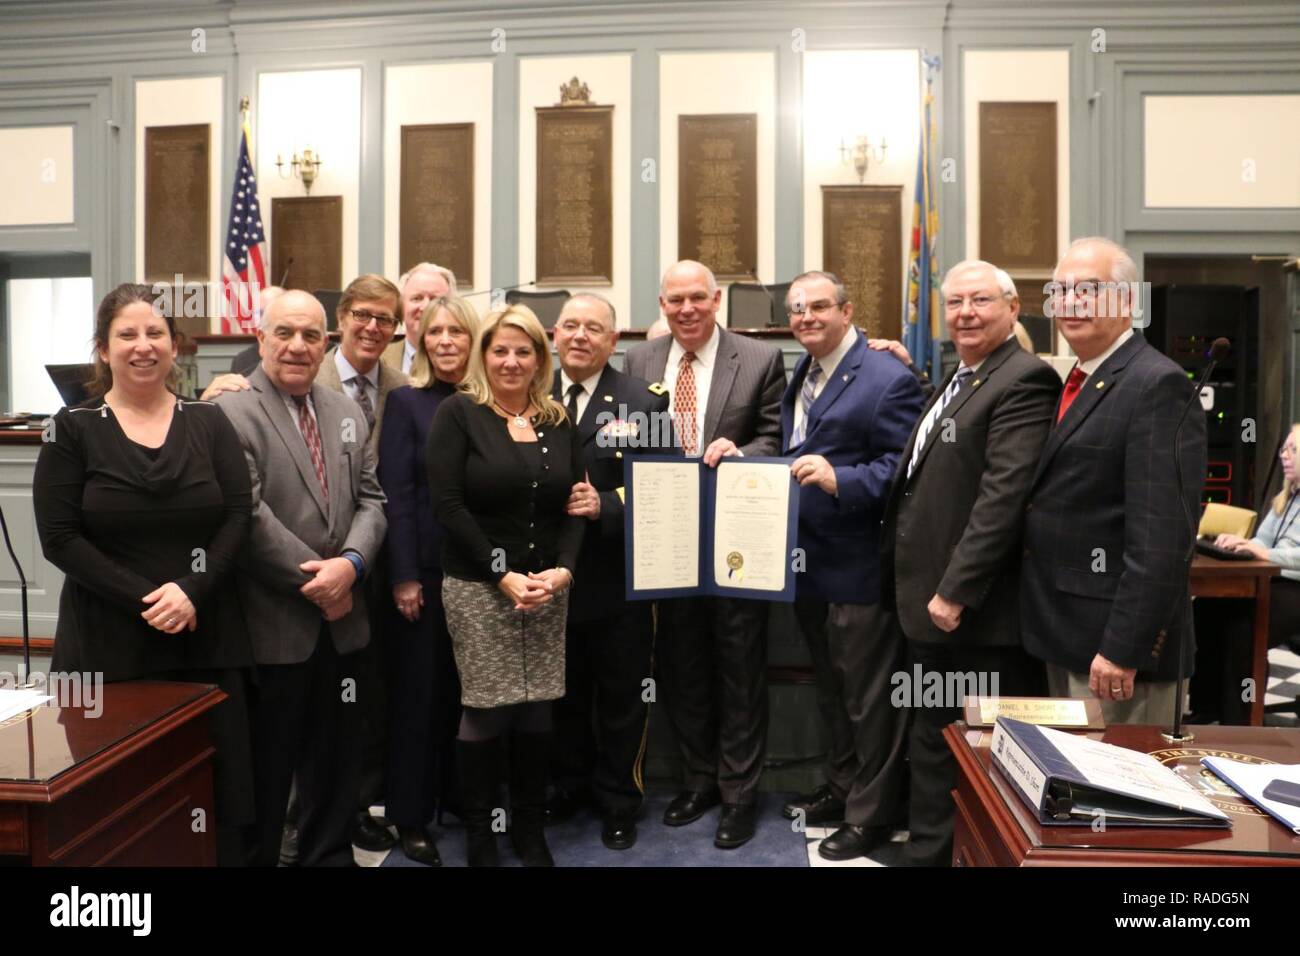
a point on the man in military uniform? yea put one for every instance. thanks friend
(610, 639)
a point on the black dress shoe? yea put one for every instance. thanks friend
(367, 834)
(851, 841)
(820, 806)
(618, 831)
(418, 846)
(736, 828)
(689, 805)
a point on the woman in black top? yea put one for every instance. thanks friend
(143, 500)
(425, 695)
(503, 457)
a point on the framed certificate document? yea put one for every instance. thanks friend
(692, 530)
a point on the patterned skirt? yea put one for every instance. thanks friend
(504, 656)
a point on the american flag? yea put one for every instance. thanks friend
(243, 268)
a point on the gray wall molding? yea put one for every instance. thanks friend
(54, 48)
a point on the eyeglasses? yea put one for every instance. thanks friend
(820, 307)
(385, 322)
(593, 329)
(978, 302)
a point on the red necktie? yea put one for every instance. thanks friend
(307, 425)
(684, 404)
(1072, 386)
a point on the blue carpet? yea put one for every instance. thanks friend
(577, 842)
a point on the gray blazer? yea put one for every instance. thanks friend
(744, 394)
(293, 522)
(389, 379)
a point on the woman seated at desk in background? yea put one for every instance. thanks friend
(1224, 625)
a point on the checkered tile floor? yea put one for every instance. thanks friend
(1283, 685)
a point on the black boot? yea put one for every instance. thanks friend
(480, 772)
(529, 763)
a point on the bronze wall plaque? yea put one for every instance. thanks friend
(862, 243)
(1018, 185)
(307, 240)
(176, 202)
(575, 195)
(437, 198)
(717, 193)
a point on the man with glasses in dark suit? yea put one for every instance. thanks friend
(1104, 597)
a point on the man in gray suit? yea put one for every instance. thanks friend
(318, 522)
(726, 400)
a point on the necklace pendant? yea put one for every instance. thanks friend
(519, 422)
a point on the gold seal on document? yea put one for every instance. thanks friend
(735, 564)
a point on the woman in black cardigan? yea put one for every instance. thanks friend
(143, 500)
(503, 458)
(425, 694)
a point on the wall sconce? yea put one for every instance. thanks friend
(860, 154)
(305, 168)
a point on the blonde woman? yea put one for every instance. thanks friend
(503, 457)
(1223, 625)
(425, 695)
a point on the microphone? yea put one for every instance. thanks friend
(285, 278)
(506, 288)
(22, 583)
(753, 274)
(1218, 349)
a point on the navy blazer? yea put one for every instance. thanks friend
(599, 582)
(414, 535)
(860, 423)
(1106, 527)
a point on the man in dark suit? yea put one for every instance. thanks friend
(844, 419)
(1104, 594)
(725, 400)
(318, 523)
(609, 639)
(953, 527)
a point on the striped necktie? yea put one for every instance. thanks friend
(363, 399)
(807, 395)
(932, 419)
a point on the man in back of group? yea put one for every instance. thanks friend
(609, 639)
(420, 285)
(367, 317)
(953, 527)
(1113, 504)
(712, 652)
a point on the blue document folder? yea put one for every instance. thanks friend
(698, 483)
(1072, 780)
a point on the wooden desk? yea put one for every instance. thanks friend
(1212, 578)
(113, 790)
(994, 826)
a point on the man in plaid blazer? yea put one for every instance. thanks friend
(1104, 586)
